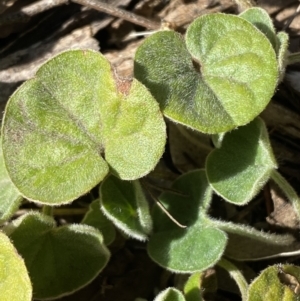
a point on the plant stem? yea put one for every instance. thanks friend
(293, 58)
(272, 239)
(236, 274)
(288, 190)
(119, 13)
(48, 210)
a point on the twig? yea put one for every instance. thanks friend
(29, 11)
(119, 13)
(291, 19)
(161, 206)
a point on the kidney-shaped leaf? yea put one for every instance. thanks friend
(276, 283)
(10, 198)
(66, 128)
(198, 246)
(125, 204)
(170, 294)
(240, 168)
(59, 260)
(223, 77)
(14, 280)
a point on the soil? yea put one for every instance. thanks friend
(29, 39)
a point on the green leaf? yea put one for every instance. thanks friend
(10, 198)
(240, 168)
(262, 21)
(276, 283)
(192, 288)
(201, 85)
(283, 41)
(124, 203)
(95, 218)
(170, 246)
(14, 280)
(65, 129)
(236, 274)
(59, 260)
(170, 294)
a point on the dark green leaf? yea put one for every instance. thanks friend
(59, 260)
(197, 247)
(239, 169)
(125, 204)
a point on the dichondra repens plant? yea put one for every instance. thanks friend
(76, 125)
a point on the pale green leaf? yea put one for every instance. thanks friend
(276, 283)
(240, 168)
(125, 204)
(59, 260)
(14, 280)
(61, 126)
(198, 246)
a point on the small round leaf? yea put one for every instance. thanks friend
(243, 164)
